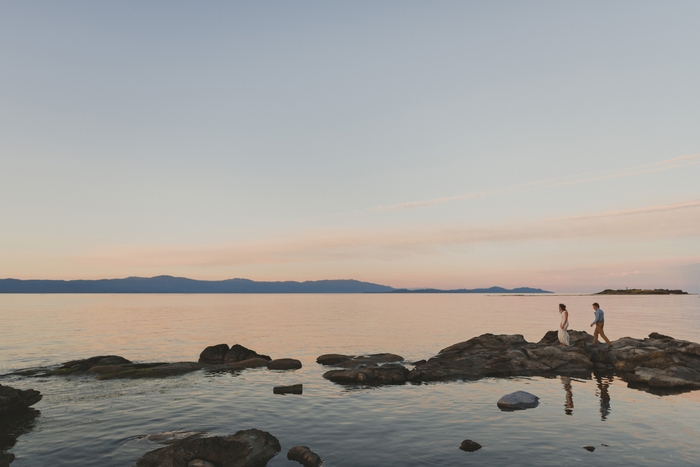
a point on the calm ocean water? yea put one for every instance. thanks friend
(101, 423)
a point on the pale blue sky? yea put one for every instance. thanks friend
(267, 139)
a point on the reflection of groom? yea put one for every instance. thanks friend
(599, 322)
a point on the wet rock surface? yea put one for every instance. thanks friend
(284, 364)
(291, 389)
(238, 353)
(305, 456)
(518, 400)
(17, 400)
(373, 375)
(469, 446)
(352, 361)
(248, 448)
(76, 367)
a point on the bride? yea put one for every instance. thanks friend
(563, 325)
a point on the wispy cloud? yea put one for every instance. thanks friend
(643, 224)
(661, 166)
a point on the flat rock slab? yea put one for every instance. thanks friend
(292, 389)
(305, 456)
(284, 364)
(249, 363)
(518, 400)
(378, 375)
(144, 370)
(248, 448)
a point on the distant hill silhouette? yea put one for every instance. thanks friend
(170, 284)
(489, 290)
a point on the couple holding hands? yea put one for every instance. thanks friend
(598, 322)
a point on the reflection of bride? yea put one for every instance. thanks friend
(569, 405)
(564, 325)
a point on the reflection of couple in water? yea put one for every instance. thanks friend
(602, 392)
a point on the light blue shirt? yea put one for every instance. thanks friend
(599, 316)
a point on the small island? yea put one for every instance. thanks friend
(641, 292)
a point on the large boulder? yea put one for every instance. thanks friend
(238, 353)
(214, 354)
(17, 400)
(248, 448)
(518, 400)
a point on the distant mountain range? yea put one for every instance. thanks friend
(170, 284)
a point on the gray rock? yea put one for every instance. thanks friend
(248, 448)
(518, 400)
(469, 446)
(305, 456)
(292, 389)
(284, 364)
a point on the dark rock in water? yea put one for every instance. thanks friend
(589, 448)
(13, 425)
(469, 445)
(238, 353)
(333, 359)
(284, 364)
(17, 400)
(170, 437)
(144, 370)
(6, 459)
(293, 389)
(248, 448)
(386, 374)
(82, 366)
(349, 361)
(656, 335)
(518, 400)
(249, 363)
(305, 456)
(214, 354)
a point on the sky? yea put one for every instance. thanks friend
(413, 144)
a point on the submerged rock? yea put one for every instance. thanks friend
(305, 456)
(144, 370)
(469, 446)
(292, 389)
(255, 362)
(518, 400)
(351, 361)
(75, 367)
(284, 364)
(248, 448)
(17, 400)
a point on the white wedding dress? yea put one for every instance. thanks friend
(563, 334)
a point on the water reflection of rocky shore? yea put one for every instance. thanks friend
(12, 426)
(569, 404)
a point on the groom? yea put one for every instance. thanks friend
(599, 322)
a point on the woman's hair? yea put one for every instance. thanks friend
(562, 307)
(596, 304)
